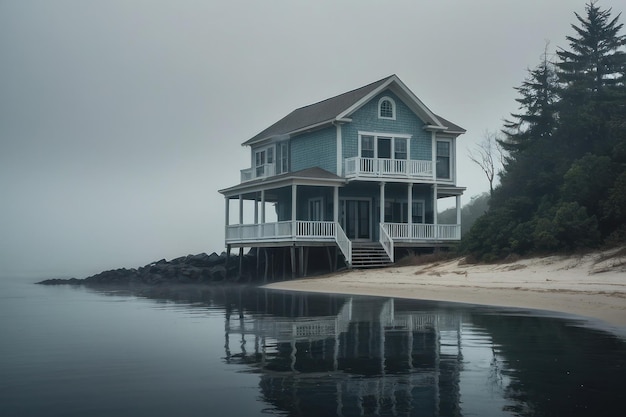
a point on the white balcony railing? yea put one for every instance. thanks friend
(261, 171)
(377, 167)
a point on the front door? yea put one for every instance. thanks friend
(355, 219)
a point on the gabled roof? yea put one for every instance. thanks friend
(342, 106)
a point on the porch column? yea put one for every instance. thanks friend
(294, 197)
(458, 215)
(409, 199)
(336, 204)
(382, 202)
(240, 209)
(227, 216)
(256, 208)
(435, 210)
(227, 219)
(262, 206)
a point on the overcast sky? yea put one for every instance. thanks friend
(120, 119)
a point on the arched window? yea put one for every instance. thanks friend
(386, 108)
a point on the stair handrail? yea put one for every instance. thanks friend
(345, 244)
(386, 242)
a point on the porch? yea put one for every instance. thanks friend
(330, 233)
(315, 208)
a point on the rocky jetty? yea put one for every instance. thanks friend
(190, 269)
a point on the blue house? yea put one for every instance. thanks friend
(358, 174)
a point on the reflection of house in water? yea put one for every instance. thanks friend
(368, 358)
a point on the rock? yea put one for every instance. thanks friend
(200, 268)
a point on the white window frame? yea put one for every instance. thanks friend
(404, 211)
(393, 137)
(263, 150)
(279, 157)
(423, 211)
(450, 159)
(321, 206)
(393, 108)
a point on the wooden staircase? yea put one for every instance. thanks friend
(369, 255)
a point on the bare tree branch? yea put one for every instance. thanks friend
(489, 156)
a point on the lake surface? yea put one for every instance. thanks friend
(241, 351)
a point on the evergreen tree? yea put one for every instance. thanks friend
(538, 119)
(596, 60)
(529, 166)
(591, 73)
(564, 180)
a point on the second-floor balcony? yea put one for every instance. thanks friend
(261, 171)
(358, 167)
(384, 167)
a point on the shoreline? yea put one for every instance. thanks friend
(591, 286)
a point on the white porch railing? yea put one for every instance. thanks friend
(345, 244)
(291, 230)
(387, 242)
(357, 166)
(262, 171)
(238, 233)
(420, 231)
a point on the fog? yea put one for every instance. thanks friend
(120, 120)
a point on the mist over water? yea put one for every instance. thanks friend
(234, 351)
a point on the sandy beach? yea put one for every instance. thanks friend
(591, 285)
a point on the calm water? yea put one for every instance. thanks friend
(225, 351)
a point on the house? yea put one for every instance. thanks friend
(358, 174)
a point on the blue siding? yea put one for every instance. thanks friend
(366, 119)
(315, 149)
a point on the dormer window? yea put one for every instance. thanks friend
(386, 108)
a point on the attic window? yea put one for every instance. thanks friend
(386, 108)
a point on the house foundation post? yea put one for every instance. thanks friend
(226, 261)
(293, 262)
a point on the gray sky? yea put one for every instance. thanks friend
(120, 119)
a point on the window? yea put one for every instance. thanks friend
(384, 146)
(316, 212)
(386, 108)
(282, 158)
(443, 159)
(397, 211)
(259, 163)
(400, 151)
(417, 212)
(264, 161)
(367, 146)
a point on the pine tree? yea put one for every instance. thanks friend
(596, 60)
(591, 74)
(538, 100)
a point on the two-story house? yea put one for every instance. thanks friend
(359, 173)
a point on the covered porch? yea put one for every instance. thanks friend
(317, 208)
